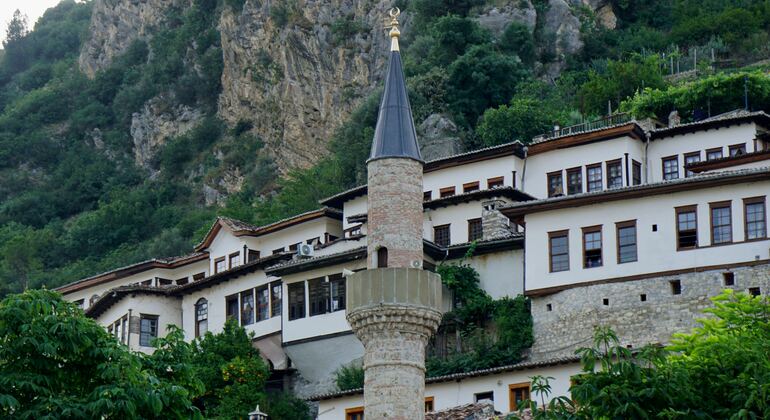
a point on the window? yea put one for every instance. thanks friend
(555, 186)
(636, 172)
(235, 259)
(516, 394)
(446, 192)
(276, 292)
(263, 303)
(712, 154)
(199, 276)
(558, 250)
(253, 255)
(614, 174)
(278, 250)
(319, 296)
(231, 307)
(297, 300)
(721, 223)
(337, 289)
(592, 247)
(754, 291)
(686, 227)
(426, 196)
(148, 329)
(755, 216)
(356, 413)
(201, 317)
(428, 404)
(124, 330)
(737, 149)
(489, 395)
(575, 181)
(670, 168)
(594, 174)
(382, 257)
(729, 278)
(220, 265)
(471, 186)
(495, 182)
(247, 307)
(676, 287)
(689, 159)
(441, 235)
(182, 281)
(475, 230)
(294, 247)
(626, 241)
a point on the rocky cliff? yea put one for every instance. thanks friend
(295, 69)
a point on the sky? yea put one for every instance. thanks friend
(32, 8)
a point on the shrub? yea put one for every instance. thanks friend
(349, 377)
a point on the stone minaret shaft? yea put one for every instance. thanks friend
(393, 306)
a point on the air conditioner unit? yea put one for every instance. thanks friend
(305, 250)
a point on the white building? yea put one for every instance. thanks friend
(624, 223)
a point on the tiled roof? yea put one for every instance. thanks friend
(482, 410)
(736, 116)
(458, 376)
(319, 261)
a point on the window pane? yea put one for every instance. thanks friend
(441, 235)
(296, 300)
(593, 249)
(319, 296)
(722, 226)
(337, 288)
(627, 244)
(247, 308)
(263, 302)
(687, 229)
(555, 185)
(475, 230)
(276, 290)
(594, 178)
(559, 253)
(756, 221)
(574, 181)
(671, 168)
(614, 175)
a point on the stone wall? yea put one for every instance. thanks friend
(640, 311)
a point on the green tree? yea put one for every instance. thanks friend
(521, 120)
(517, 39)
(56, 363)
(619, 80)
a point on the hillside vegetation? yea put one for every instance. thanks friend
(74, 203)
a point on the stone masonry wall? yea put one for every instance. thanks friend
(574, 313)
(395, 211)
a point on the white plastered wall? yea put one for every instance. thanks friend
(541, 164)
(656, 250)
(456, 176)
(456, 216)
(699, 141)
(167, 309)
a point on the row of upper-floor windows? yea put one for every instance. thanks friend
(316, 296)
(597, 177)
(148, 329)
(670, 164)
(233, 260)
(721, 232)
(494, 182)
(442, 234)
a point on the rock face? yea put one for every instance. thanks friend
(158, 121)
(297, 70)
(498, 17)
(438, 137)
(115, 24)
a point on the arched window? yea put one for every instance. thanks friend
(382, 257)
(201, 317)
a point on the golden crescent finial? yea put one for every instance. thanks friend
(394, 32)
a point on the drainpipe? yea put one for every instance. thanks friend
(128, 334)
(525, 149)
(646, 161)
(627, 180)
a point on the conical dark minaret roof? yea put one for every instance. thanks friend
(395, 135)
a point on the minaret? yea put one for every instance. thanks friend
(393, 305)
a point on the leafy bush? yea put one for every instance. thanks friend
(521, 120)
(349, 377)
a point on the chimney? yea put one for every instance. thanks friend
(674, 119)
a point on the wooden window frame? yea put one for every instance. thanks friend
(746, 202)
(249, 292)
(593, 229)
(427, 195)
(449, 233)
(495, 182)
(713, 150)
(230, 259)
(687, 173)
(557, 234)
(685, 209)
(512, 406)
(230, 298)
(634, 165)
(430, 400)
(199, 302)
(199, 276)
(216, 264)
(607, 164)
(156, 318)
(622, 225)
(663, 161)
(579, 171)
(447, 192)
(588, 177)
(265, 289)
(278, 251)
(471, 186)
(720, 205)
(732, 147)
(350, 412)
(470, 229)
(273, 310)
(252, 255)
(318, 296)
(289, 303)
(560, 190)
